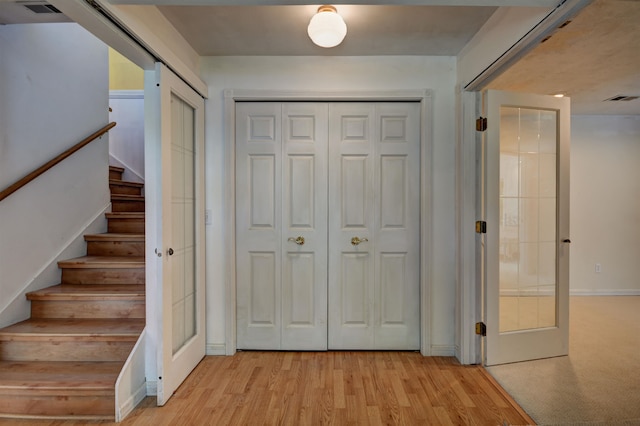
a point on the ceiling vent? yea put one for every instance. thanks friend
(621, 98)
(42, 8)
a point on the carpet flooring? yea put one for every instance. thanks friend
(599, 382)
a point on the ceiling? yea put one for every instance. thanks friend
(593, 58)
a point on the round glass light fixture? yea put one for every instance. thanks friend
(327, 28)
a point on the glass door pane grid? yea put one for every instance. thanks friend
(527, 218)
(183, 215)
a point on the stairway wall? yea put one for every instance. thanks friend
(54, 84)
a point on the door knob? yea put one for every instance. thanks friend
(357, 240)
(170, 251)
(299, 240)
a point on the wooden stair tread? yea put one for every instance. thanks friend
(89, 292)
(125, 215)
(112, 236)
(59, 375)
(74, 329)
(116, 168)
(115, 262)
(127, 197)
(125, 183)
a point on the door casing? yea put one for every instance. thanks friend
(426, 184)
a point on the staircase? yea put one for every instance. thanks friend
(64, 361)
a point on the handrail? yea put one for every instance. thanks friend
(40, 170)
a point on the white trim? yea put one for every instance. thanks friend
(425, 97)
(604, 292)
(126, 94)
(443, 350)
(132, 402)
(216, 349)
(133, 369)
(152, 387)
(467, 202)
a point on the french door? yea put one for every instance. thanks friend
(327, 225)
(175, 206)
(526, 195)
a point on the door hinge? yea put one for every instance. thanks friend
(481, 328)
(481, 227)
(481, 124)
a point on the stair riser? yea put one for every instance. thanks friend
(103, 276)
(115, 174)
(125, 189)
(65, 350)
(88, 309)
(126, 226)
(115, 248)
(127, 206)
(57, 405)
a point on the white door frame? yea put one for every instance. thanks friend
(232, 96)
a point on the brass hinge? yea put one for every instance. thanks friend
(481, 124)
(481, 227)
(481, 328)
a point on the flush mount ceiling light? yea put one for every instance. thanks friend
(327, 28)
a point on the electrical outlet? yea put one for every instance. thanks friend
(598, 268)
(207, 217)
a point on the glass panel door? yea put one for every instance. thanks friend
(527, 242)
(526, 193)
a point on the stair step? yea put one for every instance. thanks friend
(58, 389)
(84, 301)
(115, 244)
(124, 187)
(103, 270)
(127, 203)
(115, 172)
(70, 339)
(126, 222)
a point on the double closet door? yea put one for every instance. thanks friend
(327, 225)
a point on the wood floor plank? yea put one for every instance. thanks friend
(339, 388)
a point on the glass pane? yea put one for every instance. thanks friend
(528, 141)
(183, 222)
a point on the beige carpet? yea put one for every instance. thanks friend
(599, 382)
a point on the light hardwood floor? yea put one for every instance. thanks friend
(322, 388)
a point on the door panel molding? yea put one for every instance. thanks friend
(424, 97)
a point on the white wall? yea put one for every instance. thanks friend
(126, 140)
(605, 204)
(53, 93)
(336, 74)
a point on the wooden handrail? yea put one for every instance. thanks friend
(40, 170)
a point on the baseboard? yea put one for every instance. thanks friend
(614, 292)
(132, 402)
(152, 387)
(216, 349)
(443, 350)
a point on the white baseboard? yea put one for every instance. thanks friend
(443, 350)
(216, 349)
(613, 292)
(152, 388)
(133, 401)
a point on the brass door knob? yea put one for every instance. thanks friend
(298, 240)
(357, 240)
